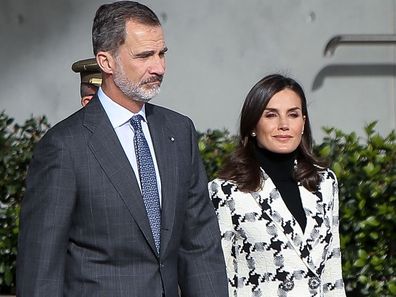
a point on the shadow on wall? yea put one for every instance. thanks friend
(342, 70)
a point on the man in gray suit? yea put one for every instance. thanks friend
(116, 203)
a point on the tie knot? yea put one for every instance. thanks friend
(136, 122)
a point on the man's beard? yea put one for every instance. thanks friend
(136, 91)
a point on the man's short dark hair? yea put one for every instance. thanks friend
(108, 30)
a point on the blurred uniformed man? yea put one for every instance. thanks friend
(91, 78)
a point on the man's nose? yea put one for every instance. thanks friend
(157, 66)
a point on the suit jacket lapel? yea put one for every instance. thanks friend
(164, 142)
(274, 207)
(314, 207)
(108, 151)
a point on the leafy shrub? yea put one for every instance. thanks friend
(215, 146)
(16, 147)
(366, 171)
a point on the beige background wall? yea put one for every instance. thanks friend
(217, 51)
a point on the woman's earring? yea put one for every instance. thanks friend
(302, 132)
(253, 134)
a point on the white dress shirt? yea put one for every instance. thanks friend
(119, 118)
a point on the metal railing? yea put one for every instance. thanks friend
(357, 39)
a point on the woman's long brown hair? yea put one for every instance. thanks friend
(241, 166)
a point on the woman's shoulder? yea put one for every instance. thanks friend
(219, 185)
(219, 182)
(327, 174)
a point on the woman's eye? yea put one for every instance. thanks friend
(270, 115)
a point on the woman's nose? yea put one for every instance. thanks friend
(283, 124)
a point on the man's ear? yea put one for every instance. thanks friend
(85, 100)
(106, 62)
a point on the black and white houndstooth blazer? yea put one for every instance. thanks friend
(266, 251)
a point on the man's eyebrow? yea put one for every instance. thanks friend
(144, 54)
(164, 50)
(149, 53)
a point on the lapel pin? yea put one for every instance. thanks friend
(172, 139)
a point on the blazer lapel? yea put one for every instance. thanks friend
(108, 151)
(165, 144)
(314, 208)
(274, 207)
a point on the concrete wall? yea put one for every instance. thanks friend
(217, 51)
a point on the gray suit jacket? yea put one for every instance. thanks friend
(83, 225)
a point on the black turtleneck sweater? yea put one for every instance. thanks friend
(279, 168)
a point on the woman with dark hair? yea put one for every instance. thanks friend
(277, 204)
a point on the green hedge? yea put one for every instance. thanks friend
(16, 147)
(366, 171)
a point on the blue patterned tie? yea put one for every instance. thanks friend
(148, 180)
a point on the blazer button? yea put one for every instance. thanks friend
(314, 282)
(287, 285)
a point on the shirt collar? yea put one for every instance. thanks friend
(117, 114)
